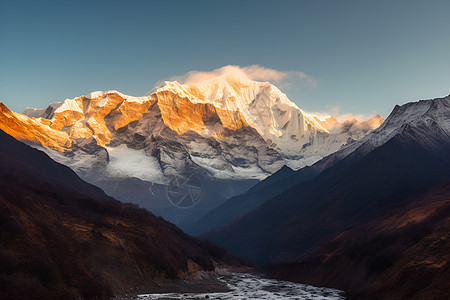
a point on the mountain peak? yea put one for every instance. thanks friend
(219, 89)
(260, 105)
(434, 113)
(437, 109)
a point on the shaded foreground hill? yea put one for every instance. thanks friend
(402, 255)
(64, 238)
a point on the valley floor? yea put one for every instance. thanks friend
(252, 286)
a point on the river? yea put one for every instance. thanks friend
(252, 286)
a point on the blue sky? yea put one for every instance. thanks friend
(364, 56)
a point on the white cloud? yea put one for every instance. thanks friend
(349, 116)
(334, 111)
(253, 72)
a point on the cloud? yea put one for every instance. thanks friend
(334, 111)
(349, 116)
(253, 72)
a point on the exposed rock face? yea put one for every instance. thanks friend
(219, 130)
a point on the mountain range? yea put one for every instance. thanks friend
(221, 136)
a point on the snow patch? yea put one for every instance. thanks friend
(126, 162)
(69, 104)
(102, 102)
(217, 168)
(297, 164)
(96, 94)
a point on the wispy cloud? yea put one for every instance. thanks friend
(253, 72)
(334, 111)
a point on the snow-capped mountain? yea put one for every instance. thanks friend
(226, 129)
(434, 114)
(428, 118)
(223, 110)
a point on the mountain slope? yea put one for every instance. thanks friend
(238, 206)
(64, 238)
(400, 255)
(414, 157)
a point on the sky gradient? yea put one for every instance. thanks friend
(364, 56)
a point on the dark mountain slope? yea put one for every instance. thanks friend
(401, 255)
(239, 205)
(42, 166)
(59, 242)
(351, 192)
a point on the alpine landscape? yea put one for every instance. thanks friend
(239, 181)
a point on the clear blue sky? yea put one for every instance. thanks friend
(366, 56)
